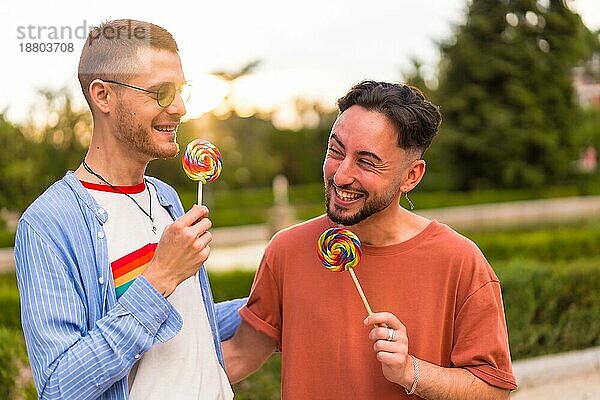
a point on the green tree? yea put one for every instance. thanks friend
(506, 93)
(302, 151)
(64, 137)
(36, 155)
(414, 77)
(18, 168)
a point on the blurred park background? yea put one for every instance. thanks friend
(518, 83)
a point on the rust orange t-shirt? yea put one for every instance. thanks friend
(437, 283)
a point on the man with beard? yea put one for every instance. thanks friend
(441, 333)
(108, 263)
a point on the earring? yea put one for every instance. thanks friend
(412, 206)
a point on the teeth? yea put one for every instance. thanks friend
(347, 196)
(165, 128)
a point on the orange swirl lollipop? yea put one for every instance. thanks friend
(339, 250)
(201, 162)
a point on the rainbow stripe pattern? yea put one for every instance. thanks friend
(129, 267)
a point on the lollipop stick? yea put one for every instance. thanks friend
(199, 193)
(360, 291)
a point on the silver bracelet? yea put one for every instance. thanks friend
(416, 380)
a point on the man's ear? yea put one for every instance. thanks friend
(415, 173)
(101, 95)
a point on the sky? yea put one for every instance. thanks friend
(311, 49)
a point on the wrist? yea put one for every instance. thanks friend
(411, 375)
(160, 283)
(406, 378)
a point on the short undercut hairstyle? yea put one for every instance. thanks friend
(111, 49)
(416, 119)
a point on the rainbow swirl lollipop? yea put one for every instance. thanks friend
(338, 249)
(202, 161)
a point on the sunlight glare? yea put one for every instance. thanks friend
(207, 93)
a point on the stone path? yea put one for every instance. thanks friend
(582, 387)
(573, 375)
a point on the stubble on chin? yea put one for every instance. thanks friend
(370, 207)
(140, 139)
(171, 153)
(334, 213)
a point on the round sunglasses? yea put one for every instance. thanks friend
(165, 94)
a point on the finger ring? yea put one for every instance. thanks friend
(391, 335)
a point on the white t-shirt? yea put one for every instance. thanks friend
(185, 367)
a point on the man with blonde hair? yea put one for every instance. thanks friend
(115, 304)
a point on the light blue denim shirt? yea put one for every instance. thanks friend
(81, 340)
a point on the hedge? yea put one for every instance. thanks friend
(7, 238)
(15, 381)
(9, 302)
(551, 307)
(551, 243)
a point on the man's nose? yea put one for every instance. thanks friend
(177, 106)
(343, 175)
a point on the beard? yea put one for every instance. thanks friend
(371, 204)
(133, 133)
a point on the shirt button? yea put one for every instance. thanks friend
(101, 211)
(101, 235)
(137, 356)
(101, 280)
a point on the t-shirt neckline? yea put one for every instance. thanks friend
(396, 247)
(129, 189)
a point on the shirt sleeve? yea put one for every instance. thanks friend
(263, 309)
(481, 338)
(69, 358)
(228, 318)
